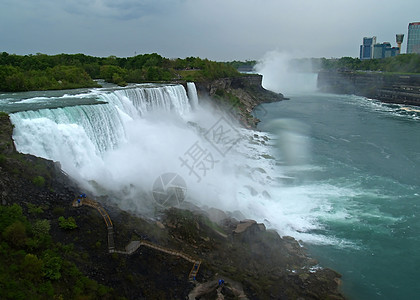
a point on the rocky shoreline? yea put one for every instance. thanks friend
(241, 93)
(255, 263)
(386, 87)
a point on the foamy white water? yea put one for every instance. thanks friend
(121, 147)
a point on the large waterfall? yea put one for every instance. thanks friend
(119, 141)
(127, 137)
(97, 128)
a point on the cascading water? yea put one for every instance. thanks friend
(192, 94)
(121, 147)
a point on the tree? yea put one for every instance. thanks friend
(15, 234)
(69, 223)
(32, 267)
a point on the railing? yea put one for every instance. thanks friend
(134, 245)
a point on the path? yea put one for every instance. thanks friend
(134, 245)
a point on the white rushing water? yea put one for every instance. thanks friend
(120, 148)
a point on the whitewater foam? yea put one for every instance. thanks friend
(119, 149)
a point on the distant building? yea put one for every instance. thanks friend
(413, 40)
(366, 50)
(399, 38)
(384, 50)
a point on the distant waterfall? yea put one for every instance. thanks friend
(192, 94)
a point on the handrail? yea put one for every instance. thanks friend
(111, 247)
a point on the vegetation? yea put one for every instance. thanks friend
(65, 71)
(69, 223)
(242, 65)
(404, 63)
(39, 181)
(32, 266)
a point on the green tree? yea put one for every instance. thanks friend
(38, 181)
(52, 266)
(32, 267)
(69, 223)
(9, 215)
(15, 234)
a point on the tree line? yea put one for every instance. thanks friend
(403, 63)
(64, 71)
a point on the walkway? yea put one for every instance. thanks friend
(134, 245)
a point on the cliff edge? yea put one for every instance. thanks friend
(239, 94)
(386, 87)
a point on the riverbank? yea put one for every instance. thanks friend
(239, 95)
(386, 87)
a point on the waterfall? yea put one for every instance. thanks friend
(192, 94)
(80, 136)
(120, 146)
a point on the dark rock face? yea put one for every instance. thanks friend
(6, 130)
(19, 171)
(400, 89)
(247, 90)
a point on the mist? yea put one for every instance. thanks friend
(123, 153)
(284, 73)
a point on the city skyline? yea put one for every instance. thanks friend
(218, 30)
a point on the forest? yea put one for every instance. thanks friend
(67, 71)
(32, 266)
(403, 63)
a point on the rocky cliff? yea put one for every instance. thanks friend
(239, 95)
(255, 263)
(392, 88)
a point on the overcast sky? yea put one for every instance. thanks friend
(216, 29)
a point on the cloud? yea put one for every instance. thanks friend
(215, 29)
(119, 9)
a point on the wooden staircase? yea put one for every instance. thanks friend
(134, 245)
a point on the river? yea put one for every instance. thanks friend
(337, 172)
(358, 160)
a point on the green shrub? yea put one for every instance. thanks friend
(41, 228)
(38, 181)
(52, 266)
(15, 234)
(31, 267)
(69, 223)
(10, 214)
(33, 209)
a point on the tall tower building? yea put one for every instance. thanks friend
(366, 50)
(399, 38)
(413, 40)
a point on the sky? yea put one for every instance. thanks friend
(221, 30)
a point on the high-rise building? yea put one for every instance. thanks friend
(413, 39)
(366, 50)
(399, 38)
(384, 50)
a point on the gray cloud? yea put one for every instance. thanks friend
(216, 29)
(119, 9)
